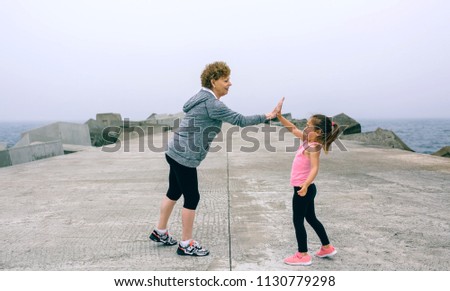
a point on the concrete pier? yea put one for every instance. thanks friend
(383, 209)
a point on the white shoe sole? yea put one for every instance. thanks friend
(298, 264)
(327, 255)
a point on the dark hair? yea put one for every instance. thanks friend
(214, 71)
(329, 130)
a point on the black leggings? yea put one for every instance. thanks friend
(183, 180)
(303, 207)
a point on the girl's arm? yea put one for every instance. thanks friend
(290, 126)
(314, 157)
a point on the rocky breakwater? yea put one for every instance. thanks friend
(443, 152)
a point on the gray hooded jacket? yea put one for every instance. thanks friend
(200, 125)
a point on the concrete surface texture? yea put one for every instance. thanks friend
(384, 209)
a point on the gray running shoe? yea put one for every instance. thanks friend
(192, 249)
(165, 238)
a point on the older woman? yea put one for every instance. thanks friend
(189, 146)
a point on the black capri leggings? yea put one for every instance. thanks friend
(303, 207)
(183, 181)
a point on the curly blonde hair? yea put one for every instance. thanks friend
(214, 71)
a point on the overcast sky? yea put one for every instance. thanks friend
(68, 60)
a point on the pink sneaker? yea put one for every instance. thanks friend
(326, 252)
(298, 260)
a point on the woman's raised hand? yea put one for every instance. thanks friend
(279, 106)
(276, 110)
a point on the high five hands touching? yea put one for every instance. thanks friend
(276, 110)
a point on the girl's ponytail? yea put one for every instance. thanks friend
(331, 137)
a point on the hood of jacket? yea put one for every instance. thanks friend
(198, 98)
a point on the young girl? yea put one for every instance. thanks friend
(319, 133)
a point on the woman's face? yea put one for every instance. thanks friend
(221, 86)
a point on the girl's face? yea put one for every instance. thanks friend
(221, 86)
(311, 131)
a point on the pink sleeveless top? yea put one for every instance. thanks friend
(301, 166)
